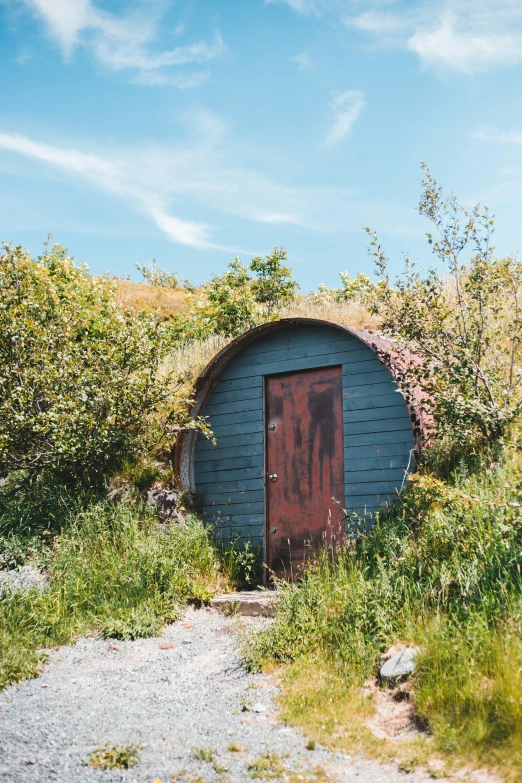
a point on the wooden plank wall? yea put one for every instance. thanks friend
(377, 432)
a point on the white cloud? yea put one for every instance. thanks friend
(491, 134)
(170, 185)
(123, 43)
(463, 35)
(110, 175)
(454, 43)
(304, 61)
(301, 6)
(347, 107)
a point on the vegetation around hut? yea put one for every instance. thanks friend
(95, 380)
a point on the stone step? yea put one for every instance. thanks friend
(251, 603)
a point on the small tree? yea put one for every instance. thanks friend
(232, 308)
(274, 286)
(463, 324)
(235, 301)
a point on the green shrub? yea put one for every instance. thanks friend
(80, 380)
(463, 325)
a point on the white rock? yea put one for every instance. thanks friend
(399, 665)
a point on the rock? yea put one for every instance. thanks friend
(24, 578)
(118, 494)
(165, 502)
(251, 603)
(257, 707)
(399, 665)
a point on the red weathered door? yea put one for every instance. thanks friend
(305, 465)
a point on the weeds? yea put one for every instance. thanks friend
(440, 570)
(115, 570)
(207, 755)
(115, 757)
(269, 765)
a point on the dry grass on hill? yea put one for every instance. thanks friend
(352, 313)
(139, 297)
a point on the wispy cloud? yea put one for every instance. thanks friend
(502, 137)
(173, 186)
(347, 108)
(125, 42)
(463, 35)
(110, 175)
(301, 6)
(304, 61)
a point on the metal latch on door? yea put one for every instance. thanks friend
(272, 476)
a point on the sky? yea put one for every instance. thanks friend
(196, 131)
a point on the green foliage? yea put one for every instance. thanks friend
(441, 569)
(354, 289)
(115, 757)
(469, 685)
(230, 307)
(464, 326)
(242, 563)
(206, 755)
(113, 569)
(274, 286)
(236, 301)
(269, 765)
(32, 513)
(80, 380)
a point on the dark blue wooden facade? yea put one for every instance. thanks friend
(377, 430)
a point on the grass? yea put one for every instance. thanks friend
(440, 570)
(114, 571)
(268, 765)
(234, 748)
(207, 755)
(141, 297)
(115, 757)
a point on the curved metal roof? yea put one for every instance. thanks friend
(387, 352)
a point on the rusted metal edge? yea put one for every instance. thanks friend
(390, 355)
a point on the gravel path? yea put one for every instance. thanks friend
(172, 694)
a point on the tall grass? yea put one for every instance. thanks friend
(114, 571)
(440, 570)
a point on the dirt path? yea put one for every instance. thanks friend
(183, 691)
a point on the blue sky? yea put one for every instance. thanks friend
(194, 131)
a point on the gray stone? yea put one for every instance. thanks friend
(119, 494)
(249, 603)
(399, 665)
(165, 502)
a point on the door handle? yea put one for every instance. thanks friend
(273, 530)
(273, 476)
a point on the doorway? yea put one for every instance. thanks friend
(304, 465)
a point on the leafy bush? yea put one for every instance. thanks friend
(235, 301)
(464, 327)
(80, 380)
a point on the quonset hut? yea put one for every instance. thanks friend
(309, 419)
